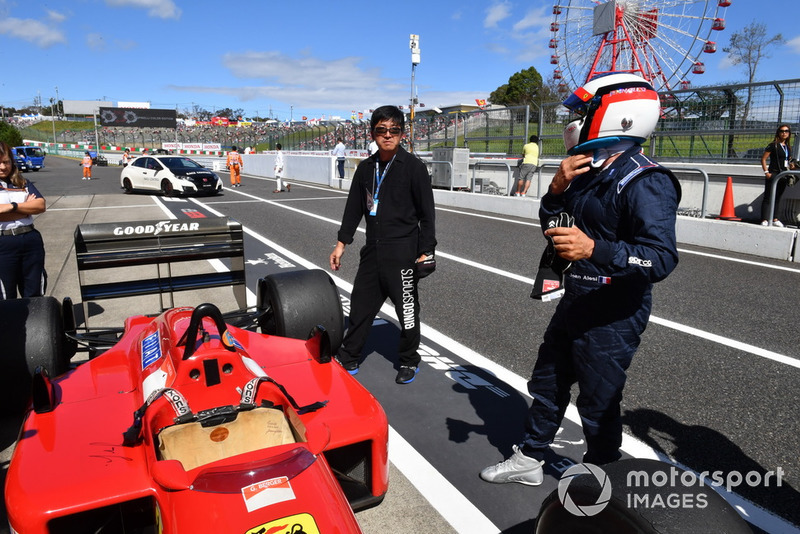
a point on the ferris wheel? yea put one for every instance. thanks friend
(661, 40)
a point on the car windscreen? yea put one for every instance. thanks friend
(34, 152)
(180, 163)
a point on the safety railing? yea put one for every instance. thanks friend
(773, 188)
(452, 169)
(703, 173)
(476, 163)
(705, 185)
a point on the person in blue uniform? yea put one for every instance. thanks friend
(21, 246)
(392, 191)
(621, 242)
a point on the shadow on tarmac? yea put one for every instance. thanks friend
(696, 447)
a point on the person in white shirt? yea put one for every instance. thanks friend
(339, 152)
(279, 183)
(21, 246)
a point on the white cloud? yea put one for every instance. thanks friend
(33, 31)
(55, 16)
(163, 9)
(794, 44)
(725, 63)
(530, 32)
(533, 19)
(496, 13)
(95, 41)
(309, 82)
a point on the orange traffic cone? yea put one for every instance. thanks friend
(727, 211)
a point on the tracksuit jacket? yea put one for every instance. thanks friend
(629, 209)
(403, 228)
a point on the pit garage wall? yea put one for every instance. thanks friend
(733, 236)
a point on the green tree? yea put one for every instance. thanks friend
(232, 114)
(499, 96)
(10, 135)
(523, 88)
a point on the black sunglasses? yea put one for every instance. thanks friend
(380, 130)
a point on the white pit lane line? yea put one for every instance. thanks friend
(443, 496)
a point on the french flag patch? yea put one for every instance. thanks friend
(604, 279)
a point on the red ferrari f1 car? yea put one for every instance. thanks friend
(191, 424)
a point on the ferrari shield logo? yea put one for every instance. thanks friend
(294, 524)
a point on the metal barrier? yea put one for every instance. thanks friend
(477, 163)
(159, 243)
(677, 169)
(539, 177)
(452, 169)
(705, 185)
(773, 188)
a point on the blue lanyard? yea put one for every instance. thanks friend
(380, 176)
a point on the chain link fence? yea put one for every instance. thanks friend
(731, 123)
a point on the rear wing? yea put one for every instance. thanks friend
(159, 244)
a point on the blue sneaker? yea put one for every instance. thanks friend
(350, 367)
(406, 374)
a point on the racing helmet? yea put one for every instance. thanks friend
(612, 107)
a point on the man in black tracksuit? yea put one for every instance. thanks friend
(392, 190)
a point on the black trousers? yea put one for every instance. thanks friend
(385, 270)
(22, 265)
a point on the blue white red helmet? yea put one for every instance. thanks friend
(612, 107)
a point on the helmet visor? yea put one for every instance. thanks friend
(578, 102)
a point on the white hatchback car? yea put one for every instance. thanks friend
(169, 174)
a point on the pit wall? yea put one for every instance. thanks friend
(747, 189)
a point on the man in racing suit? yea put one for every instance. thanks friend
(623, 241)
(392, 190)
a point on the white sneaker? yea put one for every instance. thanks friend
(777, 223)
(518, 468)
(764, 223)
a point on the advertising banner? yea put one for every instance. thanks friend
(138, 118)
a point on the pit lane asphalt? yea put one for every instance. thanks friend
(708, 404)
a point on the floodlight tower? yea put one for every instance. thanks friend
(415, 52)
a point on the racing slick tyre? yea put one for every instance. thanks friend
(636, 496)
(32, 336)
(297, 301)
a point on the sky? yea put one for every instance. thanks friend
(305, 58)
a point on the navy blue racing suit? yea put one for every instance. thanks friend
(629, 210)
